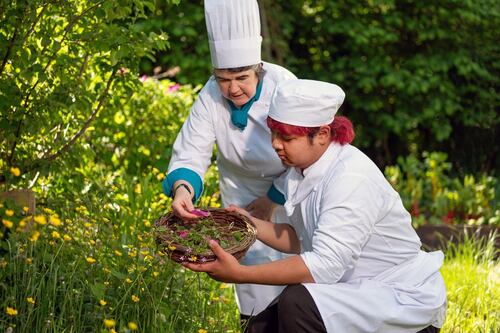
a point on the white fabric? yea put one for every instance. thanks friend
(233, 28)
(306, 103)
(358, 243)
(246, 161)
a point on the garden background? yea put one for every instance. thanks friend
(93, 93)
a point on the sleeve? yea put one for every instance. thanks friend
(348, 212)
(192, 150)
(277, 189)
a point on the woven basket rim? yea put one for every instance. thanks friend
(183, 254)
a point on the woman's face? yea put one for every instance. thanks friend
(300, 151)
(238, 87)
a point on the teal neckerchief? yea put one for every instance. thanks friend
(239, 116)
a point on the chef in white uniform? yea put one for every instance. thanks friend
(231, 112)
(358, 266)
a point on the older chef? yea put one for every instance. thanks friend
(358, 265)
(231, 112)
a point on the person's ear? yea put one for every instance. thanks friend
(324, 135)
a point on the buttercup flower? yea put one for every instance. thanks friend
(30, 300)
(9, 212)
(135, 299)
(35, 235)
(40, 219)
(109, 323)
(8, 224)
(10, 311)
(103, 302)
(55, 221)
(15, 171)
(132, 326)
(90, 260)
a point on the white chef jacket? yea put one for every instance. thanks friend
(246, 162)
(358, 243)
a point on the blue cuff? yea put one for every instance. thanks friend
(183, 174)
(276, 196)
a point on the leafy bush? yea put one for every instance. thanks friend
(432, 196)
(60, 64)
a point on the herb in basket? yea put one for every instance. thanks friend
(188, 240)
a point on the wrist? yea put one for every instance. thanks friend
(184, 186)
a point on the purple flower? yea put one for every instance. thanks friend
(183, 233)
(200, 213)
(174, 88)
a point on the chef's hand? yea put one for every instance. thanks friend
(225, 268)
(182, 204)
(261, 208)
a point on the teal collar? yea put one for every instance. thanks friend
(239, 116)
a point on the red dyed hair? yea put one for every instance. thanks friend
(341, 129)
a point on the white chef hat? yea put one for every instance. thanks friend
(306, 103)
(233, 28)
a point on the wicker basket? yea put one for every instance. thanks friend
(229, 222)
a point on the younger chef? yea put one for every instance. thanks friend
(357, 266)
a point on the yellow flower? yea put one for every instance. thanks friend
(103, 302)
(118, 253)
(138, 189)
(112, 330)
(201, 330)
(160, 176)
(55, 221)
(9, 212)
(35, 235)
(109, 323)
(155, 274)
(29, 261)
(56, 235)
(66, 237)
(135, 299)
(15, 171)
(10, 311)
(90, 260)
(193, 258)
(30, 300)
(171, 247)
(132, 326)
(26, 209)
(8, 224)
(147, 224)
(128, 280)
(40, 219)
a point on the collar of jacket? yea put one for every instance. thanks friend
(300, 186)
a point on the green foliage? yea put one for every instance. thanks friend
(431, 195)
(60, 63)
(419, 76)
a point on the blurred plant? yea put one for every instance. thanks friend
(432, 196)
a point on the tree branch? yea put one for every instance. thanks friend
(67, 145)
(67, 29)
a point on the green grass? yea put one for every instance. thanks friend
(472, 277)
(94, 262)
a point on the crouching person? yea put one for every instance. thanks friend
(358, 265)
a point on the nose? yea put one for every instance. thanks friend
(276, 142)
(233, 87)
